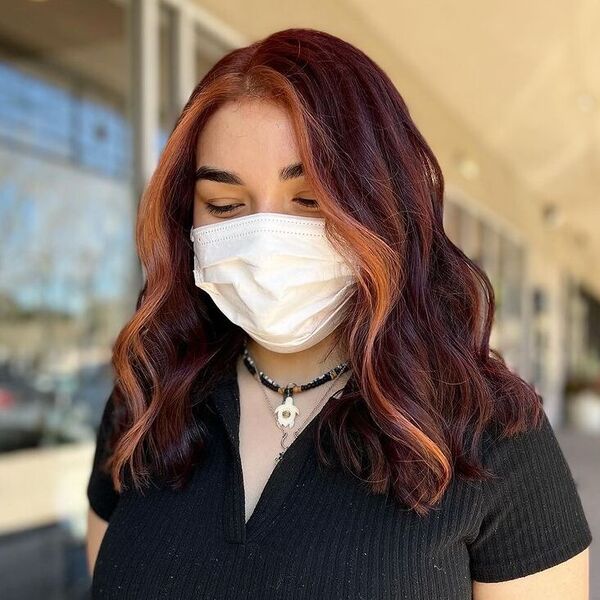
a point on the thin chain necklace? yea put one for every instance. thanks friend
(287, 411)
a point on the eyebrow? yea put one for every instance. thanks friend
(292, 171)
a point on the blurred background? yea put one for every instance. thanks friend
(506, 93)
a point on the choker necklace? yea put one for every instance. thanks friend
(287, 411)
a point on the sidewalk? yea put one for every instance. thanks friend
(582, 451)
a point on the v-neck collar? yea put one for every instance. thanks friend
(268, 510)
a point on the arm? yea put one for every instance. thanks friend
(96, 527)
(102, 496)
(569, 579)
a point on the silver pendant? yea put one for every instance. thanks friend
(280, 455)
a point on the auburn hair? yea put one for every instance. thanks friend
(425, 383)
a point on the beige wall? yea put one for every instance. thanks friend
(45, 485)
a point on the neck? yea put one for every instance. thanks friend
(299, 367)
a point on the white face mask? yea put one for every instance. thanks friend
(275, 275)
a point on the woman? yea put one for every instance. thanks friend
(305, 401)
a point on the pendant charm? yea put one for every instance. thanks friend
(280, 455)
(286, 412)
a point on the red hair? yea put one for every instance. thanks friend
(425, 383)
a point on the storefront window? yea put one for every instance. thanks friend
(511, 295)
(84, 92)
(493, 249)
(67, 268)
(65, 166)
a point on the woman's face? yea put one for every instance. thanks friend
(249, 163)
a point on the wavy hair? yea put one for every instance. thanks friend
(425, 384)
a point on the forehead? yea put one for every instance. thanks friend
(245, 132)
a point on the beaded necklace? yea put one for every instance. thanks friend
(286, 412)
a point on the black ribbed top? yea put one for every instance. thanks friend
(319, 533)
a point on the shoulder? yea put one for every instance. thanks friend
(530, 514)
(537, 444)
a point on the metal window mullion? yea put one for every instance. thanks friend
(184, 67)
(145, 91)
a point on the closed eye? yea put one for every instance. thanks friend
(214, 209)
(307, 202)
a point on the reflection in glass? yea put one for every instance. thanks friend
(66, 271)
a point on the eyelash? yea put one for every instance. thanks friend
(212, 208)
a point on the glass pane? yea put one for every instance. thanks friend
(490, 253)
(67, 269)
(451, 221)
(468, 234)
(510, 305)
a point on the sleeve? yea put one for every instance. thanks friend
(532, 516)
(101, 493)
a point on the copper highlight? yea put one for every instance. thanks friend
(425, 383)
